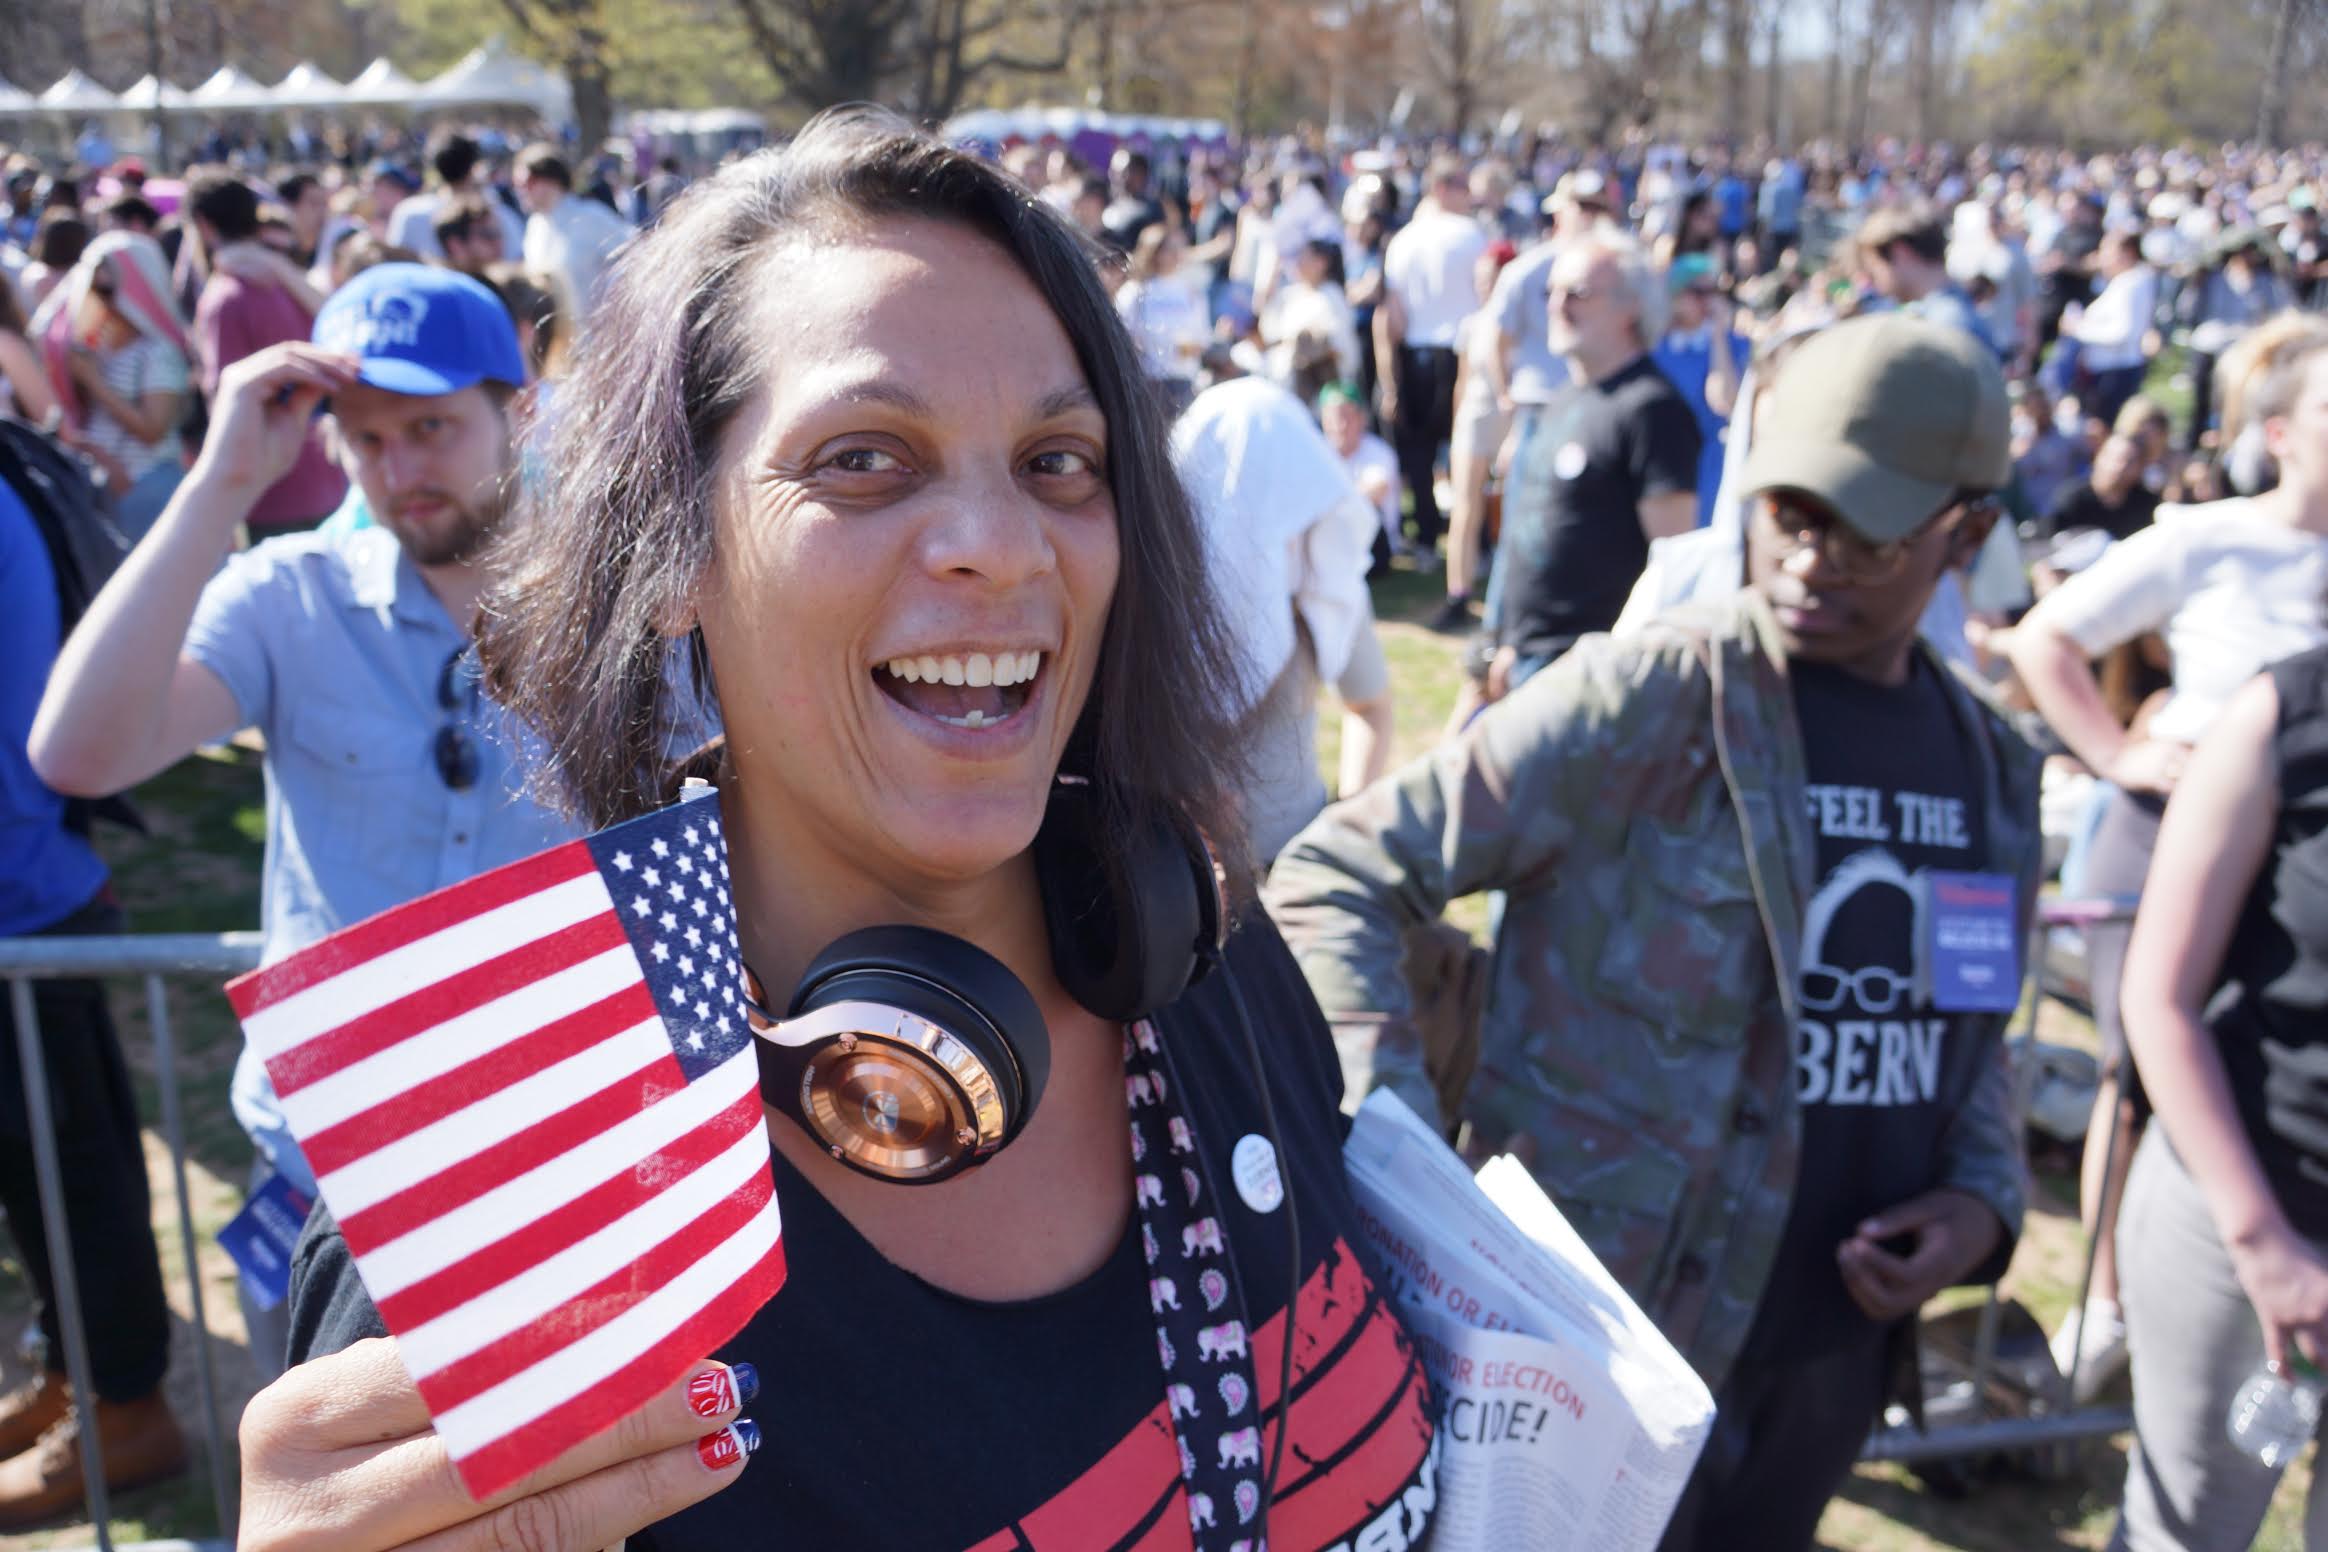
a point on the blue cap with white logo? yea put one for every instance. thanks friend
(421, 330)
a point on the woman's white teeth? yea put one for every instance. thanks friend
(978, 669)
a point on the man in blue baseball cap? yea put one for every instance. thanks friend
(387, 775)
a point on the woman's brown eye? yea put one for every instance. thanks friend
(1064, 465)
(864, 460)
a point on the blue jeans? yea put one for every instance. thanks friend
(142, 503)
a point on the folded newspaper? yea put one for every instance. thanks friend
(1567, 1420)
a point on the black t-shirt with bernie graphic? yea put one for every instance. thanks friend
(1894, 792)
(898, 1416)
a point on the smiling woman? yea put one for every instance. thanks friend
(857, 436)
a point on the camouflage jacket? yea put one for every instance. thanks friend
(1641, 803)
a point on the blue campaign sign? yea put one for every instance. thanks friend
(261, 1237)
(1970, 942)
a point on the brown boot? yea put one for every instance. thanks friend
(141, 1444)
(27, 1411)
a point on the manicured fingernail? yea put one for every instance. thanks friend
(714, 1391)
(729, 1446)
(747, 1383)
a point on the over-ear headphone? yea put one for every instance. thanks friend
(911, 1055)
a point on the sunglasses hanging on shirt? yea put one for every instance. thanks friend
(458, 763)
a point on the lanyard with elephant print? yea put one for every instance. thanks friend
(1202, 1335)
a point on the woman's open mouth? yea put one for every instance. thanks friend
(963, 690)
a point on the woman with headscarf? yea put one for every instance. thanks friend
(119, 358)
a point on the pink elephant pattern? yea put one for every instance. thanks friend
(1221, 1452)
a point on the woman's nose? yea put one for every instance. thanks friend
(989, 527)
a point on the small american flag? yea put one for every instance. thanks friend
(532, 1103)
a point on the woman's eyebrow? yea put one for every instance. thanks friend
(1058, 402)
(1065, 401)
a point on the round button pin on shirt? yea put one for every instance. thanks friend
(1254, 1164)
(1568, 463)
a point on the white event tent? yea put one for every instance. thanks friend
(491, 75)
(76, 93)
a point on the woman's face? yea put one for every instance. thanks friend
(915, 549)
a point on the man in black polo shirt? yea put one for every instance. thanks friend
(1611, 464)
(2113, 499)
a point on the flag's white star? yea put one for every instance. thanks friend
(695, 1040)
(622, 861)
(702, 1009)
(670, 922)
(661, 847)
(691, 833)
(698, 906)
(686, 863)
(678, 890)
(695, 937)
(711, 980)
(662, 952)
(652, 878)
(725, 1027)
(640, 905)
(686, 965)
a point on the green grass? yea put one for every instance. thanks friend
(199, 872)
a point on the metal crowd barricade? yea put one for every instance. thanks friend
(24, 961)
(2054, 1419)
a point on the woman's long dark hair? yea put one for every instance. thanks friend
(613, 540)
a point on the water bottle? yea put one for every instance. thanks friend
(2273, 1415)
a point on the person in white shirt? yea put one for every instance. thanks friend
(1286, 540)
(1428, 291)
(1166, 314)
(1310, 316)
(2111, 336)
(456, 160)
(1372, 466)
(2232, 587)
(572, 240)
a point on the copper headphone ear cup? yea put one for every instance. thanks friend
(936, 1057)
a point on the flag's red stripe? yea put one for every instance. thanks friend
(537, 1241)
(369, 1034)
(558, 1327)
(533, 1445)
(465, 1179)
(401, 1114)
(407, 923)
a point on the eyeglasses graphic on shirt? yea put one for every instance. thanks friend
(1872, 988)
(457, 760)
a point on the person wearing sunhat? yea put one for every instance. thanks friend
(1731, 1025)
(388, 776)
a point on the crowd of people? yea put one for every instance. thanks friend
(1833, 576)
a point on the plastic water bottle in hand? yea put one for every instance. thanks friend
(2273, 1415)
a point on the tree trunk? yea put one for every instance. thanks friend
(1870, 45)
(1737, 66)
(1249, 35)
(593, 96)
(2270, 108)
(1775, 104)
(1832, 117)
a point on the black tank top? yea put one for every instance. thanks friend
(2270, 1010)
